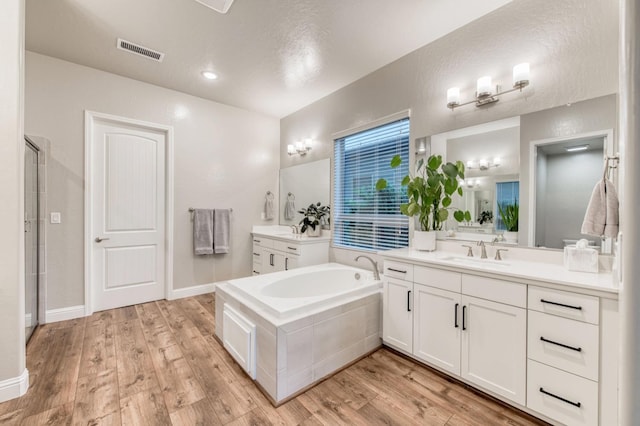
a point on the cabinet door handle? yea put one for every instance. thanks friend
(579, 308)
(455, 315)
(286, 263)
(397, 270)
(271, 259)
(409, 301)
(575, 404)
(464, 317)
(573, 348)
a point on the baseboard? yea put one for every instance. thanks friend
(14, 387)
(195, 290)
(63, 314)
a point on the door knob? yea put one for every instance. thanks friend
(99, 240)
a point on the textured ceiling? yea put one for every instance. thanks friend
(272, 56)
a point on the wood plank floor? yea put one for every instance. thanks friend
(159, 364)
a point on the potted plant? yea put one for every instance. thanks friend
(429, 194)
(314, 216)
(509, 216)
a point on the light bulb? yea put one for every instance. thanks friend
(453, 96)
(484, 86)
(521, 75)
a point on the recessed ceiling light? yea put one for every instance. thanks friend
(209, 75)
(577, 148)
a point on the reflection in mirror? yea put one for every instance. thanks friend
(565, 172)
(302, 185)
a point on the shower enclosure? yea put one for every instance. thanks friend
(31, 236)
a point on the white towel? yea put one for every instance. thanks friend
(268, 207)
(289, 209)
(221, 225)
(601, 218)
(203, 231)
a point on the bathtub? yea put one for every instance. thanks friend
(289, 330)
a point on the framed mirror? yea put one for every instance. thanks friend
(302, 185)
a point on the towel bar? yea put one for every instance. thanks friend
(191, 209)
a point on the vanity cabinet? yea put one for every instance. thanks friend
(469, 326)
(271, 254)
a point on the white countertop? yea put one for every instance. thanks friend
(516, 270)
(285, 233)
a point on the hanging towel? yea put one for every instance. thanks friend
(221, 225)
(601, 218)
(203, 231)
(268, 206)
(290, 207)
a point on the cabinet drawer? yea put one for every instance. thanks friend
(496, 290)
(287, 247)
(403, 271)
(445, 280)
(565, 304)
(262, 242)
(257, 255)
(573, 399)
(564, 343)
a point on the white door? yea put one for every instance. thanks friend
(397, 314)
(437, 327)
(127, 214)
(494, 347)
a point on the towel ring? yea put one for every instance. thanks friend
(291, 197)
(269, 195)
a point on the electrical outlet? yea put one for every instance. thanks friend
(56, 217)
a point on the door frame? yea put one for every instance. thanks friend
(90, 117)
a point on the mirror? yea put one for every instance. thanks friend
(508, 166)
(302, 185)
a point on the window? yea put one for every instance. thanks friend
(364, 218)
(506, 193)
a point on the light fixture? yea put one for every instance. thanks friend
(209, 75)
(470, 183)
(300, 147)
(483, 164)
(577, 148)
(484, 89)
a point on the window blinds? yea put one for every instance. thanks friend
(362, 217)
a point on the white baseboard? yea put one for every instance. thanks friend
(195, 290)
(14, 387)
(63, 314)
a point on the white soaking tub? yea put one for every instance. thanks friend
(291, 329)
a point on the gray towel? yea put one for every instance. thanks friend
(203, 231)
(289, 209)
(601, 218)
(221, 225)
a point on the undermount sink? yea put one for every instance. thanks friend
(474, 261)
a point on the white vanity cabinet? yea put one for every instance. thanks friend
(272, 254)
(470, 326)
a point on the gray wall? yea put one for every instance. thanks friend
(582, 117)
(571, 46)
(224, 157)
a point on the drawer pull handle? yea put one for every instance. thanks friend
(573, 348)
(397, 270)
(256, 241)
(455, 315)
(292, 248)
(256, 254)
(575, 404)
(464, 317)
(579, 308)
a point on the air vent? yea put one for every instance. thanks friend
(140, 50)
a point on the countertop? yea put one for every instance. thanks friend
(284, 233)
(538, 273)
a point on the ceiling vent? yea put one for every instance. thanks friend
(221, 6)
(140, 50)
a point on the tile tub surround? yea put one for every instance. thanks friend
(294, 354)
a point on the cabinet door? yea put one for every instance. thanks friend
(494, 347)
(272, 261)
(397, 323)
(290, 262)
(437, 327)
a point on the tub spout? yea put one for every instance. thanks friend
(374, 264)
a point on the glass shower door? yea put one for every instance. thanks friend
(31, 237)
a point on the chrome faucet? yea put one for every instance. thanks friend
(484, 250)
(294, 229)
(376, 273)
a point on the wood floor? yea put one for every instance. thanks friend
(159, 364)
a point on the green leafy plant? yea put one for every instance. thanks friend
(314, 215)
(430, 191)
(509, 216)
(485, 216)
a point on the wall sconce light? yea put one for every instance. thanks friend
(300, 148)
(483, 164)
(470, 183)
(484, 89)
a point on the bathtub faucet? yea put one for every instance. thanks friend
(376, 274)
